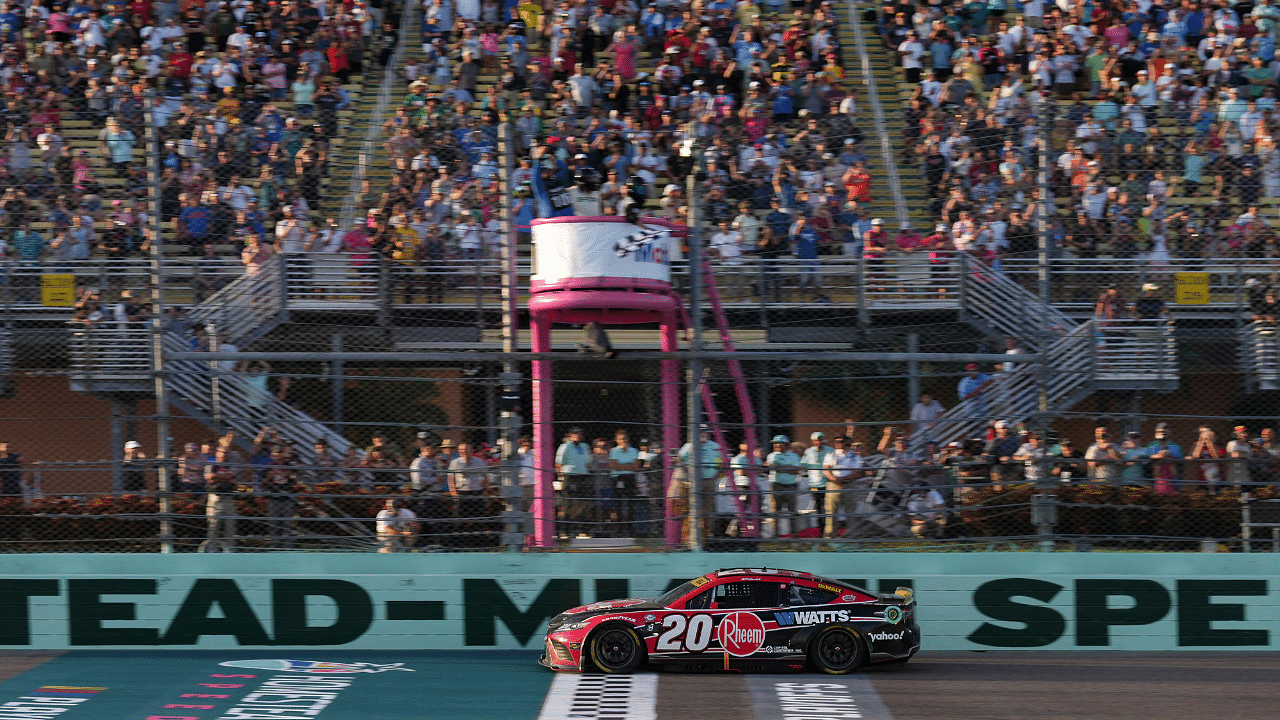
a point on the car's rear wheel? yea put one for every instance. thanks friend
(836, 651)
(617, 649)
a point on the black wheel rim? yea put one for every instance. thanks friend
(837, 649)
(615, 648)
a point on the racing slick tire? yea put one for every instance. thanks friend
(616, 649)
(837, 651)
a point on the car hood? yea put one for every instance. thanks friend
(608, 606)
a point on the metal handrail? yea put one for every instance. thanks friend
(369, 147)
(877, 114)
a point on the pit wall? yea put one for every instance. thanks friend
(978, 601)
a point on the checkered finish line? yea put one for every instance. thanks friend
(601, 697)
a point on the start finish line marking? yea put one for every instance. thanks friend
(849, 697)
(601, 697)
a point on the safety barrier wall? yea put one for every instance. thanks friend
(295, 601)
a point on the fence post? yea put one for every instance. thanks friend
(117, 446)
(693, 468)
(163, 476)
(215, 378)
(864, 312)
(384, 292)
(962, 287)
(336, 369)
(1044, 515)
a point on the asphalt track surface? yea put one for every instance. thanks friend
(495, 685)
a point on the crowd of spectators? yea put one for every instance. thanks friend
(1163, 124)
(625, 100)
(247, 94)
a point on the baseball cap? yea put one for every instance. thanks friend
(779, 439)
(133, 444)
(877, 221)
(971, 366)
(818, 436)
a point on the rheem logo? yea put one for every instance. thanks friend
(740, 634)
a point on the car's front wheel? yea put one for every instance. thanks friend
(836, 651)
(617, 649)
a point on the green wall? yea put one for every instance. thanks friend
(1056, 601)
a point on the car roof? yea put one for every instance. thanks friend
(731, 572)
(776, 572)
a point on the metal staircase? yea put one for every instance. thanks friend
(119, 361)
(1259, 346)
(1080, 357)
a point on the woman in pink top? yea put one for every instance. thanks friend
(624, 53)
(59, 27)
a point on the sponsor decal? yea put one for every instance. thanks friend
(313, 667)
(887, 635)
(811, 617)
(649, 617)
(830, 588)
(699, 581)
(893, 615)
(740, 633)
(775, 650)
(848, 598)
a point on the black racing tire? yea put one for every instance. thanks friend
(837, 651)
(616, 649)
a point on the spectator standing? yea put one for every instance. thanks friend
(843, 468)
(1238, 450)
(220, 506)
(1165, 460)
(1206, 453)
(133, 477)
(923, 415)
(784, 468)
(397, 527)
(10, 472)
(467, 483)
(814, 460)
(572, 459)
(1034, 458)
(971, 389)
(1104, 458)
(624, 462)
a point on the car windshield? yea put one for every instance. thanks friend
(675, 594)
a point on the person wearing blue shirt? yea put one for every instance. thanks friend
(784, 106)
(653, 23)
(550, 193)
(972, 391)
(194, 221)
(779, 220)
(745, 48)
(10, 23)
(804, 244)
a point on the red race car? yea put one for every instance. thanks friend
(742, 619)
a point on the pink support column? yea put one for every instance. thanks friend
(544, 448)
(670, 419)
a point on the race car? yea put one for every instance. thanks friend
(740, 619)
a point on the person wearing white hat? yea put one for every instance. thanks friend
(784, 469)
(939, 247)
(875, 246)
(133, 476)
(813, 459)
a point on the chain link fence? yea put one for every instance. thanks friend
(893, 272)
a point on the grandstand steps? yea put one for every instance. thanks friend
(889, 83)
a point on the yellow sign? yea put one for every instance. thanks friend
(58, 290)
(1191, 288)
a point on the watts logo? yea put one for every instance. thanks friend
(810, 618)
(885, 636)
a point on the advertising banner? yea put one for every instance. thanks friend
(1061, 601)
(578, 248)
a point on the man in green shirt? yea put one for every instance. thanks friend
(576, 491)
(624, 461)
(812, 460)
(784, 467)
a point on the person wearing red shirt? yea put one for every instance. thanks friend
(857, 183)
(180, 62)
